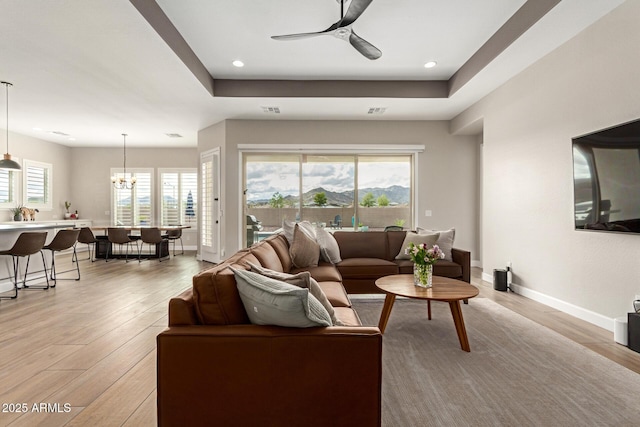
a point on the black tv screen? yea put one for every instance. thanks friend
(606, 177)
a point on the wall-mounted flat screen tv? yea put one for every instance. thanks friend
(606, 177)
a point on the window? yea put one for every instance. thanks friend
(133, 206)
(8, 186)
(37, 184)
(179, 196)
(372, 191)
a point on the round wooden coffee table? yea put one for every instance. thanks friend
(443, 289)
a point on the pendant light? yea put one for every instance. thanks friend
(121, 182)
(7, 163)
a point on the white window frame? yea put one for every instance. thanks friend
(182, 219)
(134, 172)
(48, 196)
(15, 201)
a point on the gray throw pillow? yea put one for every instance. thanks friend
(272, 302)
(445, 241)
(416, 239)
(329, 249)
(289, 226)
(304, 251)
(302, 280)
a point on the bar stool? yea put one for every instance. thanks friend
(119, 236)
(151, 236)
(64, 239)
(27, 244)
(86, 236)
(173, 235)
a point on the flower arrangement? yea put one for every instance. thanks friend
(420, 255)
(67, 205)
(423, 259)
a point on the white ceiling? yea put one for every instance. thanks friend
(95, 69)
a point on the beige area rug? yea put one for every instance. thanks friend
(517, 374)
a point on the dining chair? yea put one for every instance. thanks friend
(27, 244)
(151, 236)
(87, 237)
(173, 235)
(63, 240)
(120, 237)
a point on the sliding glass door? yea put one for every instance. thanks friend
(336, 191)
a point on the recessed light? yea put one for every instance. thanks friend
(430, 64)
(37, 129)
(238, 63)
(71, 139)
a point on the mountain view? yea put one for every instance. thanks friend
(396, 194)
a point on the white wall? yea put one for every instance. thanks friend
(587, 84)
(448, 168)
(23, 147)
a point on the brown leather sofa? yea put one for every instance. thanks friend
(215, 368)
(370, 255)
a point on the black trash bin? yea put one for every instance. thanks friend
(500, 280)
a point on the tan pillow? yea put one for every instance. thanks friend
(329, 249)
(304, 251)
(302, 280)
(416, 239)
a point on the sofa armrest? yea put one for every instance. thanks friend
(463, 258)
(269, 376)
(182, 309)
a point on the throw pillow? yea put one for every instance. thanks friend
(302, 280)
(304, 251)
(445, 241)
(329, 249)
(272, 302)
(416, 239)
(289, 226)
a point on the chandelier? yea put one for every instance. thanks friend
(121, 182)
(7, 163)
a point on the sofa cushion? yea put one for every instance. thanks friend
(329, 249)
(405, 266)
(301, 280)
(304, 251)
(447, 269)
(348, 316)
(322, 273)
(428, 239)
(216, 297)
(281, 246)
(335, 293)
(272, 302)
(366, 268)
(267, 255)
(395, 240)
(370, 244)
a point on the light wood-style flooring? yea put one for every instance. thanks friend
(90, 344)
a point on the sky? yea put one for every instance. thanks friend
(266, 178)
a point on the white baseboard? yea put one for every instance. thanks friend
(476, 263)
(565, 307)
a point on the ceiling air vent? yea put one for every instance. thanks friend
(271, 110)
(377, 110)
(173, 135)
(57, 132)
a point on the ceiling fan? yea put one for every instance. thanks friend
(342, 29)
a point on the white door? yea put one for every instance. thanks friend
(210, 205)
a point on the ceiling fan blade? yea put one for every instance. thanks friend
(364, 47)
(355, 10)
(306, 35)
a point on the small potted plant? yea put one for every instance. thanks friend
(17, 213)
(67, 205)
